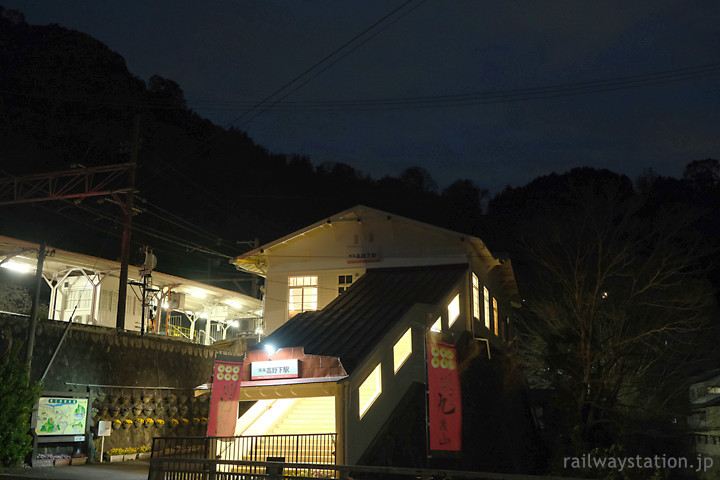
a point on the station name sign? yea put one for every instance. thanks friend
(362, 254)
(274, 369)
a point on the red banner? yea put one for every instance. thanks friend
(227, 374)
(444, 397)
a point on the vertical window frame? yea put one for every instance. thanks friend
(453, 310)
(375, 379)
(486, 305)
(496, 319)
(302, 294)
(476, 296)
(402, 350)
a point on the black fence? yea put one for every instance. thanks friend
(224, 453)
(162, 468)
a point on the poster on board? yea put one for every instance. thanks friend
(61, 416)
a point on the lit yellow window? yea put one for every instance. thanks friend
(437, 326)
(486, 302)
(402, 350)
(476, 296)
(453, 310)
(303, 294)
(496, 322)
(370, 390)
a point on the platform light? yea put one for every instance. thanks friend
(270, 349)
(197, 293)
(17, 267)
(233, 303)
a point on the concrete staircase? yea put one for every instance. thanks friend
(294, 435)
(307, 415)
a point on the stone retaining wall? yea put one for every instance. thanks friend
(128, 376)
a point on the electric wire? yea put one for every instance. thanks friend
(426, 101)
(185, 225)
(321, 71)
(161, 234)
(487, 96)
(321, 61)
(295, 79)
(185, 247)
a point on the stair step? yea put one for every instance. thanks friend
(304, 416)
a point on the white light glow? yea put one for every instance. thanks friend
(17, 267)
(270, 349)
(197, 293)
(233, 303)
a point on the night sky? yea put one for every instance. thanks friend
(637, 82)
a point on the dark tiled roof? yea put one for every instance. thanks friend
(352, 324)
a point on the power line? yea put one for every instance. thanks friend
(185, 225)
(427, 101)
(267, 99)
(188, 247)
(319, 72)
(486, 96)
(321, 61)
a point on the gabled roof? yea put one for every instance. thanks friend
(254, 260)
(353, 324)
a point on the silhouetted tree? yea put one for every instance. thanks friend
(166, 92)
(418, 179)
(616, 304)
(462, 205)
(702, 175)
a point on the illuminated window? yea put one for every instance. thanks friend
(453, 310)
(369, 390)
(344, 282)
(486, 303)
(476, 296)
(495, 316)
(402, 350)
(437, 326)
(302, 295)
(713, 389)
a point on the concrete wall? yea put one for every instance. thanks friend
(122, 371)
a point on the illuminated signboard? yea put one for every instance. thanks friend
(61, 416)
(274, 369)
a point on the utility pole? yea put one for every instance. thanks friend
(127, 228)
(254, 288)
(36, 300)
(146, 274)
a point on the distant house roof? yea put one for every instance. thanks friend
(352, 324)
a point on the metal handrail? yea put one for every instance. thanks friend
(159, 466)
(316, 447)
(179, 330)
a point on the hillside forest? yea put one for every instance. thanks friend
(618, 277)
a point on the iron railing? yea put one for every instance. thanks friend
(162, 468)
(314, 448)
